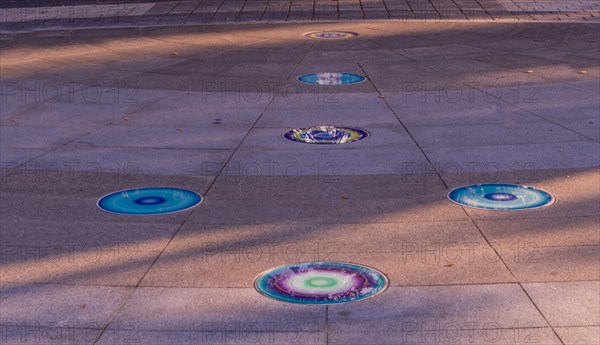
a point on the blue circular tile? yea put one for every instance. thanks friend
(331, 78)
(321, 283)
(501, 197)
(326, 135)
(149, 201)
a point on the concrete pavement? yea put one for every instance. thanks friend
(87, 112)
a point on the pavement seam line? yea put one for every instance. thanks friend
(62, 145)
(326, 325)
(460, 9)
(484, 9)
(403, 125)
(262, 15)
(216, 11)
(88, 133)
(201, 2)
(118, 310)
(289, 10)
(239, 13)
(362, 9)
(518, 282)
(436, 10)
(168, 12)
(235, 150)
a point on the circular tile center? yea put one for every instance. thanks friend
(150, 200)
(500, 196)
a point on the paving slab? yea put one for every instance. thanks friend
(475, 306)
(306, 107)
(402, 269)
(186, 162)
(579, 335)
(375, 53)
(67, 110)
(21, 137)
(13, 157)
(360, 161)
(273, 183)
(412, 74)
(71, 306)
(493, 134)
(80, 252)
(12, 106)
(216, 333)
(419, 104)
(589, 127)
(546, 232)
(567, 303)
(190, 309)
(450, 333)
(134, 136)
(565, 155)
(409, 253)
(530, 263)
(422, 209)
(201, 109)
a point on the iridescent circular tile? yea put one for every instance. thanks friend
(331, 35)
(321, 283)
(501, 197)
(326, 135)
(148, 201)
(331, 78)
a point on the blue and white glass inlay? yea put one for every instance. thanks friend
(147, 201)
(502, 197)
(331, 78)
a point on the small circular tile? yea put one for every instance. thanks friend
(331, 78)
(149, 201)
(326, 135)
(331, 35)
(501, 197)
